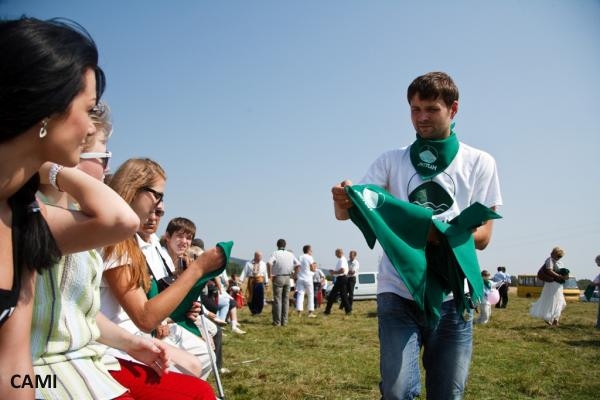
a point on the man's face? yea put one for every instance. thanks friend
(432, 118)
(257, 257)
(178, 242)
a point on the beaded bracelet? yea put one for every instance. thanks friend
(52, 174)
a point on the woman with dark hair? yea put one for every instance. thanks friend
(50, 82)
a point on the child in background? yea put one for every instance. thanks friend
(485, 311)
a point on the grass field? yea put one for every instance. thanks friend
(336, 357)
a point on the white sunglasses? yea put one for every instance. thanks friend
(103, 157)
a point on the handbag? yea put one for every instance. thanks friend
(543, 275)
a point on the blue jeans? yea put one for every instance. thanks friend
(447, 351)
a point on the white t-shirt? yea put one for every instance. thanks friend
(305, 274)
(156, 256)
(341, 266)
(353, 266)
(471, 177)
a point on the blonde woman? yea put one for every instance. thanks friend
(126, 280)
(552, 301)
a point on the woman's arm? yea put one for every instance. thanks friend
(104, 217)
(15, 349)
(152, 353)
(146, 313)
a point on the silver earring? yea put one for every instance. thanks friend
(43, 130)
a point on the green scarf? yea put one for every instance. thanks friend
(429, 272)
(430, 157)
(179, 314)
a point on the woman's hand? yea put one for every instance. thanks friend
(210, 260)
(151, 352)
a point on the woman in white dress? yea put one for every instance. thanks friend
(552, 301)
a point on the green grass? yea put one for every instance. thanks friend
(336, 357)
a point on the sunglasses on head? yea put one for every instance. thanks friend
(158, 196)
(102, 157)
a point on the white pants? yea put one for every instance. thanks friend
(194, 345)
(485, 312)
(307, 287)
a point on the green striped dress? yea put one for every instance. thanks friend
(66, 357)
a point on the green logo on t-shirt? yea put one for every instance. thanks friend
(433, 196)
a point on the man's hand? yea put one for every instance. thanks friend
(340, 197)
(341, 200)
(194, 311)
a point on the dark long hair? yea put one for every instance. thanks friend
(42, 65)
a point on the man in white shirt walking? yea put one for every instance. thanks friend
(340, 287)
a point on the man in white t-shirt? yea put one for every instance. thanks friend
(304, 281)
(440, 173)
(353, 267)
(340, 286)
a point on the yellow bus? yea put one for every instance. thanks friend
(530, 286)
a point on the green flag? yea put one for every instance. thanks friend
(179, 314)
(429, 272)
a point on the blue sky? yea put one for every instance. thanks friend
(256, 108)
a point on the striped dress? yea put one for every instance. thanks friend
(66, 356)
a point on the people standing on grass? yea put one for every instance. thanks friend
(340, 286)
(281, 264)
(304, 282)
(502, 276)
(256, 276)
(551, 303)
(439, 172)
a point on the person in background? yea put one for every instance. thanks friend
(502, 277)
(162, 271)
(596, 283)
(304, 282)
(46, 108)
(280, 266)
(257, 279)
(438, 172)
(551, 303)
(340, 286)
(126, 283)
(319, 282)
(353, 268)
(485, 309)
(67, 327)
